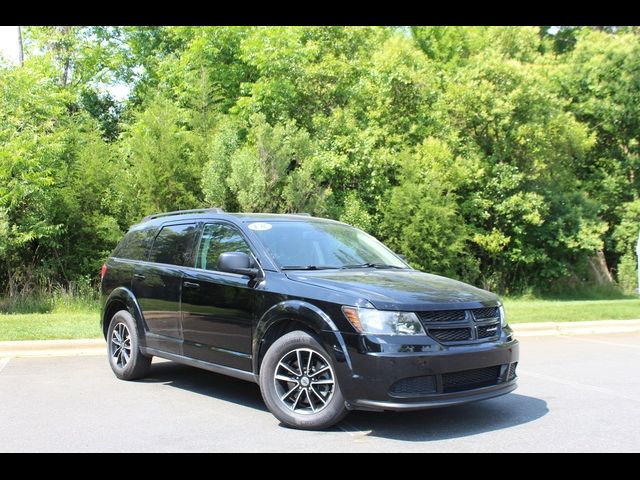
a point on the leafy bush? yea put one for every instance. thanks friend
(628, 273)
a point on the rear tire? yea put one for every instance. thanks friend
(123, 348)
(299, 384)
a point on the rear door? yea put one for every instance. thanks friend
(217, 306)
(157, 284)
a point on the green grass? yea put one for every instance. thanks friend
(526, 310)
(56, 302)
(56, 313)
(48, 326)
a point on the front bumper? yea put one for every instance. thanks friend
(379, 364)
(442, 400)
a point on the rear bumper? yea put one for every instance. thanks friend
(431, 375)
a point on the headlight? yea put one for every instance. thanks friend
(503, 317)
(370, 320)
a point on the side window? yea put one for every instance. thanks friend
(216, 239)
(174, 245)
(134, 245)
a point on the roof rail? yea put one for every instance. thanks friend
(182, 212)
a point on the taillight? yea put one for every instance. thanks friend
(103, 271)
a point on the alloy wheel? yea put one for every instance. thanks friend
(304, 381)
(120, 345)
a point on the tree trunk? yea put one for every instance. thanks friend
(20, 47)
(598, 271)
(66, 54)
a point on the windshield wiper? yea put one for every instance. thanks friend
(308, 267)
(373, 265)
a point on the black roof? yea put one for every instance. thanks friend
(221, 214)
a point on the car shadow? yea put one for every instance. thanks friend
(445, 423)
(422, 426)
(206, 383)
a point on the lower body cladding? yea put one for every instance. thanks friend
(389, 373)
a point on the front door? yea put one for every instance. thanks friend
(157, 284)
(217, 306)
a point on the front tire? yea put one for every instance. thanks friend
(123, 348)
(299, 385)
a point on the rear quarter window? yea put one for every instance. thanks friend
(135, 244)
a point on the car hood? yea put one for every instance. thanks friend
(408, 290)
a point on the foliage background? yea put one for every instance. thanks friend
(503, 156)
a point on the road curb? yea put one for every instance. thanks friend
(96, 346)
(50, 348)
(541, 329)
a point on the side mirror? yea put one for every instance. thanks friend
(403, 257)
(237, 262)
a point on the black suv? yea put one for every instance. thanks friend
(321, 315)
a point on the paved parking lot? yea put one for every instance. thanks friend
(577, 393)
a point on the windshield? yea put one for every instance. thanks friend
(316, 245)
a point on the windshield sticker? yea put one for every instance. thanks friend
(260, 226)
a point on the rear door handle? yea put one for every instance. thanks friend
(139, 276)
(191, 285)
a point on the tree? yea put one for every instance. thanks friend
(601, 78)
(421, 218)
(265, 171)
(158, 148)
(33, 142)
(625, 236)
(505, 115)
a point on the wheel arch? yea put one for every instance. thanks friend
(122, 298)
(291, 315)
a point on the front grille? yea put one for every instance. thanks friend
(512, 371)
(451, 334)
(488, 331)
(413, 386)
(443, 316)
(470, 379)
(465, 325)
(482, 313)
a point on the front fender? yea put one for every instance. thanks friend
(310, 315)
(124, 296)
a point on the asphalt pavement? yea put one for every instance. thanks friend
(576, 394)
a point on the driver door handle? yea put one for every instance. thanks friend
(191, 285)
